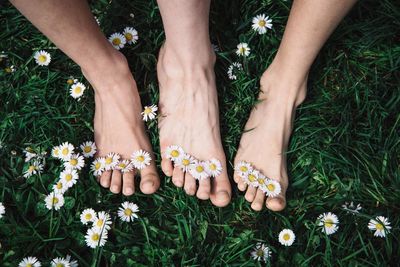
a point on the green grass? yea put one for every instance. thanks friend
(345, 146)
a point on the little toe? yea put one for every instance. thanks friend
(128, 183)
(204, 189)
(166, 166)
(149, 181)
(105, 179)
(178, 177)
(258, 201)
(250, 193)
(116, 181)
(190, 184)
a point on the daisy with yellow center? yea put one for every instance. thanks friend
(71, 81)
(149, 112)
(111, 160)
(243, 49)
(60, 262)
(184, 162)
(198, 170)
(69, 177)
(54, 200)
(131, 35)
(286, 237)
(174, 152)
(329, 221)
(261, 23)
(42, 58)
(243, 169)
(140, 159)
(9, 69)
(88, 149)
(35, 168)
(128, 211)
(66, 151)
(98, 166)
(103, 221)
(124, 166)
(213, 167)
(77, 90)
(30, 262)
(56, 152)
(60, 187)
(96, 238)
(117, 40)
(261, 252)
(252, 178)
(75, 162)
(272, 188)
(380, 225)
(88, 215)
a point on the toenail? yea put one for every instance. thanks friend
(223, 194)
(114, 188)
(128, 191)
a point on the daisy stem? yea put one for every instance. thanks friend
(51, 224)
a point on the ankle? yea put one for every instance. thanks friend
(181, 63)
(279, 85)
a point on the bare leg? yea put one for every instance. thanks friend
(283, 88)
(117, 123)
(188, 96)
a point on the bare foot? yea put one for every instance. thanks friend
(266, 136)
(118, 124)
(189, 118)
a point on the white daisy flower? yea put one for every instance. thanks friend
(329, 221)
(54, 200)
(66, 150)
(184, 162)
(35, 168)
(252, 178)
(117, 40)
(60, 187)
(69, 177)
(29, 155)
(88, 149)
(56, 152)
(60, 262)
(42, 58)
(261, 181)
(261, 252)
(98, 166)
(128, 211)
(351, 208)
(111, 160)
(286, 237)
(30, 262)
(198, 170)
(97, 20)
(96, 238)
(243, 49)
(2, 210)
(131, 35)
(10, 69)
(88, 215)
(261, 23)
(75, 162)
(174, 152)
(141, 159)
(233, 69)
(380, 225)
(272, 188)
(243, 168)
(102, 221)
(77, 89)
(213, 167)
(149, 112)
(124, 166)
(72, 263)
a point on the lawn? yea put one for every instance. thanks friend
(345, 146)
